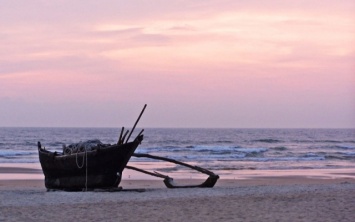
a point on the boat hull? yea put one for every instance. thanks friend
(99, 168)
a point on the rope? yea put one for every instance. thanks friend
(86, 176)
(85, 160)
(76, 159)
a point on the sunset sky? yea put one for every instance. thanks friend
(196, 63)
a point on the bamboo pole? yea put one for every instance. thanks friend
(135, 124)
(120, 138)
(140, 132)
(124, 136)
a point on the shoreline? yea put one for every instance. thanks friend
(31, 171)
(14, 176)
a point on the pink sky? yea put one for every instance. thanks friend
(195, 63)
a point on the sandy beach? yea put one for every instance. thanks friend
(292, 198)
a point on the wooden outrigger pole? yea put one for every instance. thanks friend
(168, 181)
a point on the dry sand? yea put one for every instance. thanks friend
(267, 199)
(255, 199)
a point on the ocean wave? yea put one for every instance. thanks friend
(311, 155)
(301, 141)
(345, 153)
(291, 159)
(17, 160)
(56, 144)
(283, 159)
(279, 148)
(342, 156)
(241, 157)
(335, 157)
(203, 149)
(328, 141)
(251, 150)
(228, 148)
(345, 146)
(268, 141)
(224, 141)
(349, 141)
(14, 153)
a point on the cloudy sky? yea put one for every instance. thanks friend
(196, 63)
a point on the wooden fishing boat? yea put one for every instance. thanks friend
(100, 167)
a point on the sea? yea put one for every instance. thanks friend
(225, 151)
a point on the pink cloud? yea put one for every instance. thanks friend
(235, 63)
